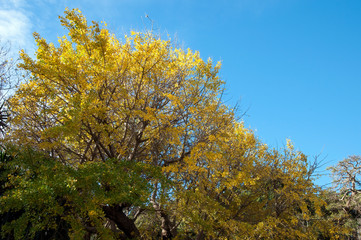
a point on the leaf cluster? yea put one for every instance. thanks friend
(47, 193)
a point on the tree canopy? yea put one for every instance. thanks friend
(129, 138)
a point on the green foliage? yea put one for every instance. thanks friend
(46, 191)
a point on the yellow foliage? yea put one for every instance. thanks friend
(95, 97)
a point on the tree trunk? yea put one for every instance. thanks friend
(127, 225)
(166, 230)
(166, 224)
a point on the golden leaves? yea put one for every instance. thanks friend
(94, 92)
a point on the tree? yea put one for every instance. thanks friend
(346, 175)
(20, 172)
(54, 201)
(7, 82)
(94, 98)
(345, 197)
(253, 193)
(138, 144)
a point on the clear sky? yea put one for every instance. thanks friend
(293, 66)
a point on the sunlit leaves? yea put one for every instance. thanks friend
(93, 95)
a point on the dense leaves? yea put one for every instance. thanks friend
(49, 193)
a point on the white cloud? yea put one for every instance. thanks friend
(15, 25)
(17, 3)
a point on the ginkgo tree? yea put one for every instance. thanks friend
(94, 98)
(139, 144)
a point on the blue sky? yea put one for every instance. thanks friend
(293, 66)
